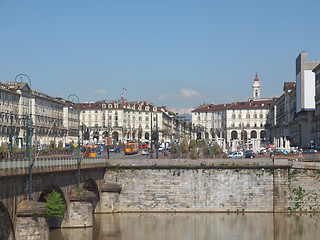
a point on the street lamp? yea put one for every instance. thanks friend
(71, 98)
(19, 79)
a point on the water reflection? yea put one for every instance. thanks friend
(192, 226)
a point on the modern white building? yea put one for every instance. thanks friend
(237, 120)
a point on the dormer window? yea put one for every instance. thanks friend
(103, 106)
(147, 108)
(110, 106)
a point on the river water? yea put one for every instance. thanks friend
(196, 226)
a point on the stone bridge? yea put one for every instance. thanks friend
(22, 216)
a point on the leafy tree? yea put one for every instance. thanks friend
(4, 148)
(193, 144)
(206, 149)
(194, 153)
(72, 146)
(173, 148)
(184, 146)
(216, 149)
(60, 144)
(52, 145)
(55, 207)
(15, 148)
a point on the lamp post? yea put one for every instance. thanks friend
(19, 79)
(157, 138)
(71, 98)
(151, 156)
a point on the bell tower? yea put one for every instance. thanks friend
(256, 88)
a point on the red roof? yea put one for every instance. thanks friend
(256, 78)
(257, 104)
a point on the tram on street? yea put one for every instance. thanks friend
(90, 151)
(131, 148)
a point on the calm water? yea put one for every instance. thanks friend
(192, 226)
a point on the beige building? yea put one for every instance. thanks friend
(48, 121)
(125, 120)
(237, 120)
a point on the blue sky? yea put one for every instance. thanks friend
(175, 53)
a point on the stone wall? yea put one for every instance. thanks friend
(304, 189)
(212, 190)
(33, 227)
(192, 190)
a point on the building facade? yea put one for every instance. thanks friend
(124, 120)
(237, 120)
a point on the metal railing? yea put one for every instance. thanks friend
(48, 162)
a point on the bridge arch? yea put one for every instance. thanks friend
(48, 190)
(6, 226)
(91, 186)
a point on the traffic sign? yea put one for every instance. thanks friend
(75, 145)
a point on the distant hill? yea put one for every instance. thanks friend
(186, 115)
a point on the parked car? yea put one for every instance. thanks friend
(249, 154)
(145, 151)
(281, 152)
(236, 155)
(111, 149)
(263, 151)
(117, 150)
(310, 151)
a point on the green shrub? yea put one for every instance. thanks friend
(4, 148)
(173, 148)
(184, 146)
(194, 153)
(55, 206)
(193, 144)
(206, 149)
(15, 148)
(216, 149)
(52, 145)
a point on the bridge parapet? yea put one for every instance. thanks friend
(9, 167)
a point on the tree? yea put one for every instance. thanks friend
(206, 149)
(60, 144)
(194, 153)
(193, 144)
(4, 148)
(216, 149)
(173, 148)
(52, 145)
(184, 146)
(55, 207)
(15, 148)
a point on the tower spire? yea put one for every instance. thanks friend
(256, 87)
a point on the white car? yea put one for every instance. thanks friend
(236, 155)
(145, 151)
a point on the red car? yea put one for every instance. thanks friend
(143, 146)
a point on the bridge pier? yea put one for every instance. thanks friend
(109, 200)
(80, 208)
(31, 221)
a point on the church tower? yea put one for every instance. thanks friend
(256, 88)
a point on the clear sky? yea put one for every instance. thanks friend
(177, 53)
